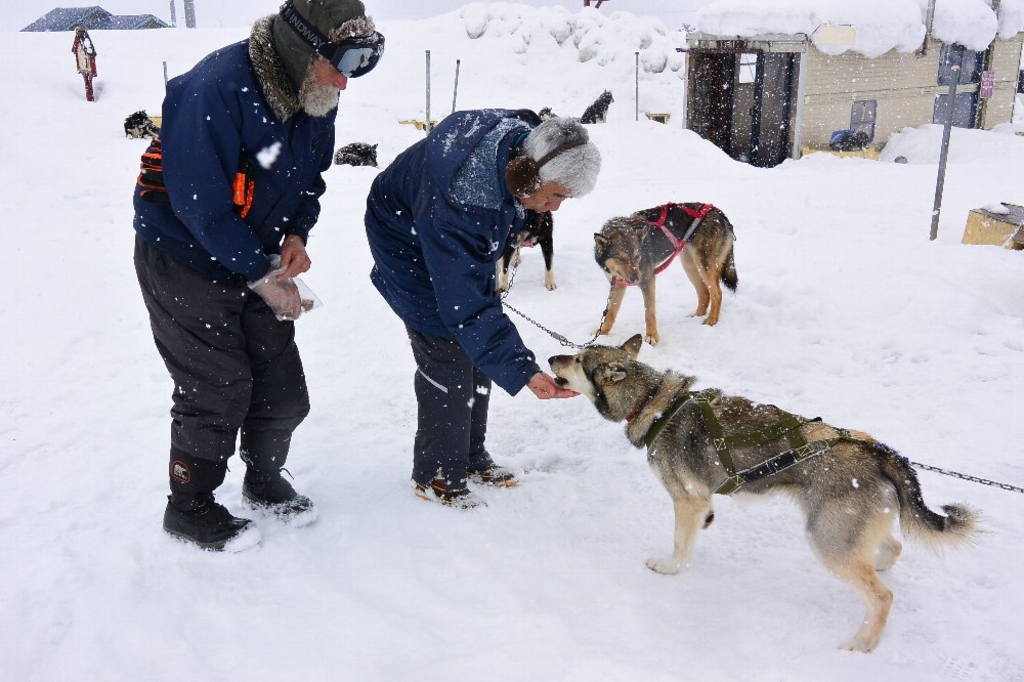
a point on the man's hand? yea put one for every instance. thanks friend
(294, 259)
(544, 387)
(282, 295)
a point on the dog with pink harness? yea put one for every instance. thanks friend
(633, 249)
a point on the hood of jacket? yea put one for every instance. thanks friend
(281, 94)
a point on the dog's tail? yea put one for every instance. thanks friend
(917, 520)
(729, 276)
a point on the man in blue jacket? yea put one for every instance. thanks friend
(437, 220)
(223, 206)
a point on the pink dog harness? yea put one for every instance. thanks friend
(677, 244)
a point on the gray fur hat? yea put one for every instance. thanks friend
(328, 16)
(558, 150)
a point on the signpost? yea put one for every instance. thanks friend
(944, 152)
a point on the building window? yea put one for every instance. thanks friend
(965, 108)
(748, 67)
(969, 62)
(862, 117)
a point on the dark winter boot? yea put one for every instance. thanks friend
(192, 514)
(447, 493)
(201, 520)
(484, 471)
(269, 492)
(265, 452)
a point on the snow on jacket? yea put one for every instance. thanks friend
(233, 107)
(437, 220)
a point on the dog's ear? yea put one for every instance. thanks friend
(633, 346)
(600, 240)
(612, 373)
(373, 147)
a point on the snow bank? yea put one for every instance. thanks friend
(967, 146)
(596, 36)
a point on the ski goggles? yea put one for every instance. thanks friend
(353, 57)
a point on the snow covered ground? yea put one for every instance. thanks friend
(845, 309)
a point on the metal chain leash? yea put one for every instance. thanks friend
(566, 342)
(553, 334)
(968, 477)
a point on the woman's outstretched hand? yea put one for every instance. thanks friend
(544, 387)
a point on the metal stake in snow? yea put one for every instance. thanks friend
(426, 124)
(637, 94)
(190, 13)
(944, 152)
(455, 94)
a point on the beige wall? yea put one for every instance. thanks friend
(904, 85)
(1006, 64)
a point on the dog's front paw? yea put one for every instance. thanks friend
(858, 644)
(549, 283)
(652, 339)
(664, 565)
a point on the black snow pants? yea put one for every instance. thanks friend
(452, 398)
(235, 367)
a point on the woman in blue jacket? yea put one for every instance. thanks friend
(437, 220)
(225, 201)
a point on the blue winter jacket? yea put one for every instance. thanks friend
(437, 220)
(215, 121)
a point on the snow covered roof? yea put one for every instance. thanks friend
(67, 18)
(879, 25)
(132, 22)
(92, 18)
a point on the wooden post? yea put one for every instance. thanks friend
(85, 59)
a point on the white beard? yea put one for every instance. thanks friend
(318, 100)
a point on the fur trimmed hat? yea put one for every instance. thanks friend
(558, 150)
(328, 16)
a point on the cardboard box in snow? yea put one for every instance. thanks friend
(1001, 225)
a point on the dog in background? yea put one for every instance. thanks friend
(546, 114)
(632, 250)
(539, 229)
(598, 111)
(850, 487)
(356, 154)
(140, 124)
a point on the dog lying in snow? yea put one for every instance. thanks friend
(140, 124)
(356, 154)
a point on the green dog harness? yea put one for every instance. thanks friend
(789, 426)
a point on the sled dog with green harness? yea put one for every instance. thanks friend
(851, 488)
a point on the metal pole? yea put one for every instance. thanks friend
(944, 152)
(637, 94)
(190, 13)
(426, 124)
(455, 95)
(165, 75)
(174, 15)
